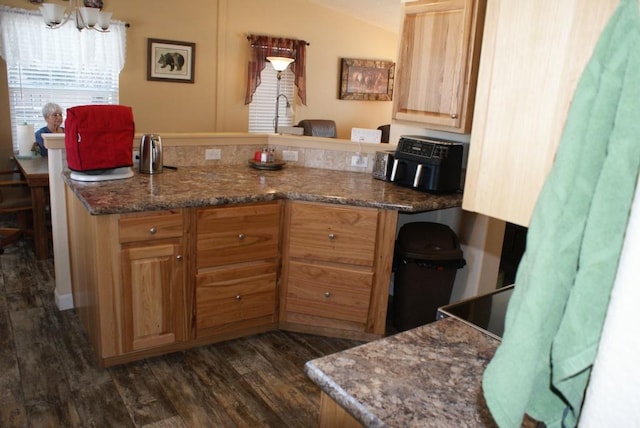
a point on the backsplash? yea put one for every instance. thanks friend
(240, 154)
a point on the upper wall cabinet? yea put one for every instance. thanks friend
(533, 54)
(437, 63)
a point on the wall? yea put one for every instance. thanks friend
(215, 102)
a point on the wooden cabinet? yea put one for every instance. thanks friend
(237, 262)
(438, 63)
(533, 54)
(153, 280)
(129, 275)
(150, 283)
(335, 275)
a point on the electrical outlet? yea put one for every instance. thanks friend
(290, 155)
(212, 154)
(359, 160)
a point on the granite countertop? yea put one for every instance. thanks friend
(427, 376)
(226, 184)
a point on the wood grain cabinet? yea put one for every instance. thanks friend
(332, 259)
(153, 280)
(533, 54)
(237, 262)
(129, 275)
(438, 61)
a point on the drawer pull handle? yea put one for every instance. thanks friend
(238, 297)
(454, 116)
(152, 231)
(241, 236)
(332, 236)
(179, 257)
(327, 294)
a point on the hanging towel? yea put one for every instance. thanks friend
(555, 316)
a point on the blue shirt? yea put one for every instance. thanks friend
(40, 140)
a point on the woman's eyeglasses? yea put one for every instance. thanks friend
(56, 114)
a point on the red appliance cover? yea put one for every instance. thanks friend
(99, 137)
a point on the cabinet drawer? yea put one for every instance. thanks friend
(332, 233)
(150, 227)
(330, 292)
(236, 294)
(229, 235)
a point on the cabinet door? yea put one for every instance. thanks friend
(152, 284)
(437, 63)
(533, 54)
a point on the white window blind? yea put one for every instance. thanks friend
(65, 66)
(262, 110)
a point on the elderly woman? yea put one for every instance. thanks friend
(52, 114)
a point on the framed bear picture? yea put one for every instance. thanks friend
(170, 61)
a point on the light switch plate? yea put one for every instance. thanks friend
(212, 154)
(290, 155)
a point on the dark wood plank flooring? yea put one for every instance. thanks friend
(48, 377)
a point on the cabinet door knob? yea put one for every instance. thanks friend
(327, 294)
(241, 236)
(238, 297)
(332, 236)
(454, 116)
(179, 257)
(152, 231)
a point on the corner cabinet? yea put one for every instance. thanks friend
(336, 269)
(438, 61)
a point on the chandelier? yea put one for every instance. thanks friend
(86, 14)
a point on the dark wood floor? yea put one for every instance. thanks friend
(48, 377)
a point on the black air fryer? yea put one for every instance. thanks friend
(428, 164)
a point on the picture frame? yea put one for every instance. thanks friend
(366, 79)
(171, 61)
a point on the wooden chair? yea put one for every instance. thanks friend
(15, 198)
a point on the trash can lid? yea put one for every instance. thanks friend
(428, 241)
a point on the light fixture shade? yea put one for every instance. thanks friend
(53, 14)
(89, 16)
(104, 20)
(279, 63)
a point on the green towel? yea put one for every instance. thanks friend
(555, 316)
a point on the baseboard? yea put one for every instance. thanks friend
(64, 301)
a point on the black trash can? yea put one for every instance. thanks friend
(427, 257)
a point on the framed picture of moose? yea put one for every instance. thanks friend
(366, 79)
(170, 61)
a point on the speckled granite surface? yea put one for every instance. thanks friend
(224, 184)
(429, 376)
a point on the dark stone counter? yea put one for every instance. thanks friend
(229, 184)
(430, 376)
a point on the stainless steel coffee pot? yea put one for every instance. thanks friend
(151, 154)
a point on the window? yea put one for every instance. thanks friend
(262, 110)
(65, 66)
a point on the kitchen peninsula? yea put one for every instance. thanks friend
(202, 254)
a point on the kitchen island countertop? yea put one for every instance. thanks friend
(427, 376)
(228, 184)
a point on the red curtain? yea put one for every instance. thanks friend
(264, 46)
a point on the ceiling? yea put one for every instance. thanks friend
(383, 13)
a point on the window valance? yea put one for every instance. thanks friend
(264, 46)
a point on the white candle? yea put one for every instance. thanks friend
(26, 138)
